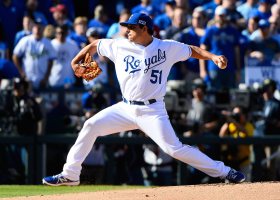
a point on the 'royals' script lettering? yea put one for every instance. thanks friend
(155, 60)
(132, 63)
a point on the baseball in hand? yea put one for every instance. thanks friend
(222, 65)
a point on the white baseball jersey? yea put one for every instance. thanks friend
(36, 55)
(142, 71)
(62, 72)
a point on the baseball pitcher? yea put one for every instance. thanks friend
(142, 65)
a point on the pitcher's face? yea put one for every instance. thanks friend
(134, 32)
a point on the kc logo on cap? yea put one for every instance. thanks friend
(139, 18)
(142, 22)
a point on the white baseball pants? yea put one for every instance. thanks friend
(152, 120)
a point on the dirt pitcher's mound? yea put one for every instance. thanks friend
(246, 191)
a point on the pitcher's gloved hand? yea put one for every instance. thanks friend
(89, 69)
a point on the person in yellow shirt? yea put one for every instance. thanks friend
(238, 126)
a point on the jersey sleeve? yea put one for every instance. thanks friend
(20, 47)
(107, 48)
(179, 51)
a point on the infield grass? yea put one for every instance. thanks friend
(35, 190)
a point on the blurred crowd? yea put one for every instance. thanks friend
(41, 95)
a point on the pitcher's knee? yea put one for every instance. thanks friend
(171, 151)
(175, 152)
(93, 122)
(91, 126)
(88, 124)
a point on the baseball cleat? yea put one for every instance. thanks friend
(234, 176)
(58, 180)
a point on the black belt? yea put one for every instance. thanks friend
(139, 103)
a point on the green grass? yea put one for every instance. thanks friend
(34, 190)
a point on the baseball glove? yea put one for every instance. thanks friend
(89, 69)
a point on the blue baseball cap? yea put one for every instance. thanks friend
(171, 2)
(263, 23)
(38, 21)
(266, 1)
(254, 14)
(139, 19)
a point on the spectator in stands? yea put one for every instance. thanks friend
(159, 4)
(10, 17)
(79, 34)
(263, 9)
(252, 25)
(121, 34)
(103, 78)
(263, 46)
(26, 110)
(223, 39)
(94, 100)
(184, 4)
(246, 8)
(156, 33)
(45, 5)
(237, 125)
(61, 73)
(274, 29)
(24, 115)
(79, 37)
(274, 21)
(196, 3)
(192, 35)
(115, 28)
(244, 41)
(145, 7)
(27, 24)
(268, 125)
(202, 118)
(275, 11)
(164, 20)
(234, 16)
(93, 34)
(49, 32)
(33, 57)
(31, 8)
(179, 22)
(4, 49)
(271, 109)
(210, 8)
(100, 20)
(59, 13)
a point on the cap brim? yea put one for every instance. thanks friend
(171, 3)
(53, 9)
(127, 23)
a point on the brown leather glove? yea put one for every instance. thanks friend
(89, 69)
